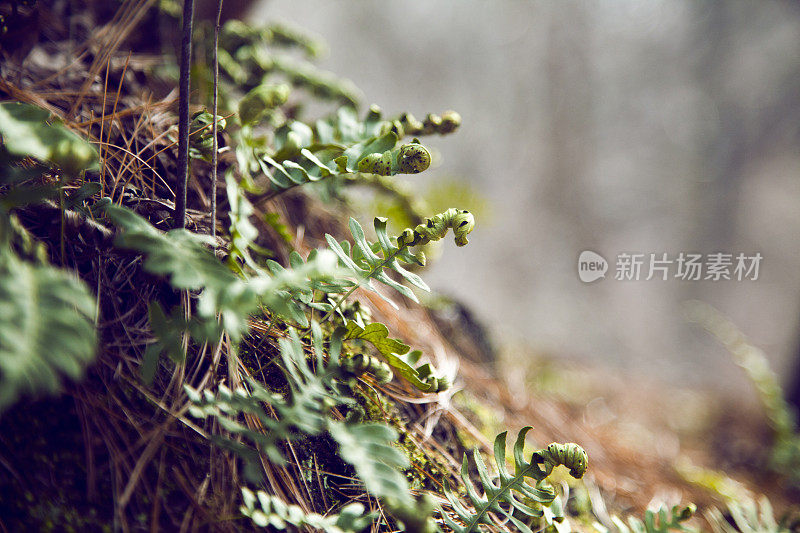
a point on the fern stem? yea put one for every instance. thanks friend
(215, 147)
(183, 115)
(62, 237)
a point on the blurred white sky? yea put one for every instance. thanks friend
(609, 126)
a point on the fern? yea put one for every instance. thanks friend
(748, 517)
(26, 132)
(177, 254)
(344, 127)
(502, 493)
(661, 521)
(46, 327)
(182, 257)
(301, 410)
(284, 34)
(245, 59)
(241, 230)
(368, 447)
(397, 355)
(294, 165)
(260, 100)
(363, 261)
(275, 513)
(318, 82)
(785, 453)
(47, 315)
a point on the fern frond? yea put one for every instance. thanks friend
(178, 254)
(499, 497)
(662, 521)
(246, 58)
(364, 261)
(748, 517)
(285, 34)
(294, 164)
(397, 355)
(26, 132)
(319, 82)
(345, 127)
(785, 453)
(182, 257)
(378, 463)
(260, 100)
(302, 410)
(47, 328)
(275, 513)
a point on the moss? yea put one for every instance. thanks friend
(425, 468)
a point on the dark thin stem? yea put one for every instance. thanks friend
(183, 115)
(215, 148)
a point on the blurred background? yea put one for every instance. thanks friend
(625, 126)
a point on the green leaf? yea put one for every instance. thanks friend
(177, 254)
(272, 511)
(393, 350)
(25, 132)
(311, 395)
(83, 193)
(664, 520)
(47, 329)
(182, 257)
(498, 496)
(368, 447)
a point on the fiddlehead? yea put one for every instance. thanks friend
(570, 455)
(410, 158)
(407, 124)
(461, 221)
(398, 356)
(361, 363)
(661, 521)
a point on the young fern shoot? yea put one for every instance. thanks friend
(365, 263)
(499, 496)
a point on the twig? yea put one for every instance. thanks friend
(214, 128)
(183, 115)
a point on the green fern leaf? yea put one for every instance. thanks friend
(294, 165)
(345, 127)
(365, 263)
(46, 327)
(301, 410)
(662, 521)
(368, 447)
(397, 355)
(182, 257)
(177, 254)
(499, 497)
(274, 512)
(26, 132)
(749, 516)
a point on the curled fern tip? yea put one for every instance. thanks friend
(570, 455)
